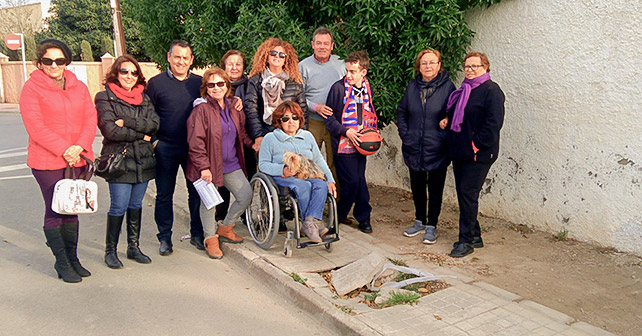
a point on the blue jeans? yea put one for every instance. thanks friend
(168, 158)
(126, 196)
(310, 194)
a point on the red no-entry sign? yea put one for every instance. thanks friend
(12, 41)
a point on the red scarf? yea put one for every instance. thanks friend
(133, 97)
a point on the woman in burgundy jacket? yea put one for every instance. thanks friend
(60, 119)
(216, 137)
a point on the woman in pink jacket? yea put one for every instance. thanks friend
(60, 118)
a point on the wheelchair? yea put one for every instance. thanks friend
(273, 206)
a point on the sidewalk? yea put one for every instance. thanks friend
(468, 307)
(9, 108)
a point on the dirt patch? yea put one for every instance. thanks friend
(599, 286)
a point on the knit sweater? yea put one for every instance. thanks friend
(318, 78)
(275, 143)
(173, 99)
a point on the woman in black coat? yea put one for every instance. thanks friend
(421, 119)
(476, 115)
(274, 77)
(127, 120)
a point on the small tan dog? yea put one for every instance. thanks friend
(303, 167)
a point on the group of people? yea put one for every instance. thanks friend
(214, 127)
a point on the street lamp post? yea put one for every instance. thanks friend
(119, 37)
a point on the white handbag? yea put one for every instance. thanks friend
(74, 196)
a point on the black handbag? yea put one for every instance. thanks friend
(111, 165)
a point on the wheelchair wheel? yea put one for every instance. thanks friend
(262, 215)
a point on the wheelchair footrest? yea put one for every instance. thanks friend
(325, 241)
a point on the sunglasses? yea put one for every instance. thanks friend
(280, 54)
(124, 72)
(58, 61)
(287, 118)
(211, 85)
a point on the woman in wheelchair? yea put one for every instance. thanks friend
(311, 193)
(216, 137)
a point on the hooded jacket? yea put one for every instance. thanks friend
(423, 141)
(56, 119)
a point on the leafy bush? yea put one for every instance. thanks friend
(85, 52)
(392, 31)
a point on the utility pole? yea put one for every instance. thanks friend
(119, 37)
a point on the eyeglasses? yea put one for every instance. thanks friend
(429, 64)
(58, 61)
(472, 67)
(287, 118)
(280, 54)
(212, 85)
(124, 72)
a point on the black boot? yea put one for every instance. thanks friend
(70, 237)
(57, 246)
(111, 241)
(133, 234)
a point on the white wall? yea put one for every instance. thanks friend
(571, 149)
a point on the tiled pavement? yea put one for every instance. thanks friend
(468, 307)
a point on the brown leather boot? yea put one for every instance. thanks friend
(212, 249)
(227, 234)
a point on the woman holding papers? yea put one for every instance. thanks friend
(216, 137)
(127, 121)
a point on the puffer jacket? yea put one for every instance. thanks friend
(56, 119)
(253, 104)
(423, 141)
(139, 120)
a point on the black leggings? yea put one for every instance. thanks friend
(435, 179)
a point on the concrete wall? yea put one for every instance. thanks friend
(571, 155)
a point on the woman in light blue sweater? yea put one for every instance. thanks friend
(311, 194)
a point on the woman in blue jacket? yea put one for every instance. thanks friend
(422, 119)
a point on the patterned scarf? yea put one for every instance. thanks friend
(350, 118)
(273, 85)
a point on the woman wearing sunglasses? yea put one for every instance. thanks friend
(127, 121)
(60, 119)
(217, 139)
(274, 78)
(311, 194)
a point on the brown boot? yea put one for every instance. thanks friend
(227, 234)
(212, 249)
(322, 229)
(311, 230)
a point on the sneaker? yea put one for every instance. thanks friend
(431, 235)
(461, 250)
(416, 228)
(477, 242)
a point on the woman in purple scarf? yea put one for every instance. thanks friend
(475, 114)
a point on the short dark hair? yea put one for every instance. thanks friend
(322, 31)
(230, 53)
(182, 44)
(112, 75)
(44, 45)
(359, 56)
(215, 71)
(285, 107)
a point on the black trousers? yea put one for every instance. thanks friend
(435, 179)
(351, 173)
(469, 179)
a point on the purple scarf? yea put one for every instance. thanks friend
(460, 96)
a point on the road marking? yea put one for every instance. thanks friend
(8, 155)
(12, 149)
(13, 167)
(15, 177)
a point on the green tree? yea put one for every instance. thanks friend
(73, 21)
(107, 46)
(392, 31)
(85, 52)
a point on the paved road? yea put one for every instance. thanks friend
(185, 293)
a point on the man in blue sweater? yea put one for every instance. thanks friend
(172, 93)
(319, 72)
